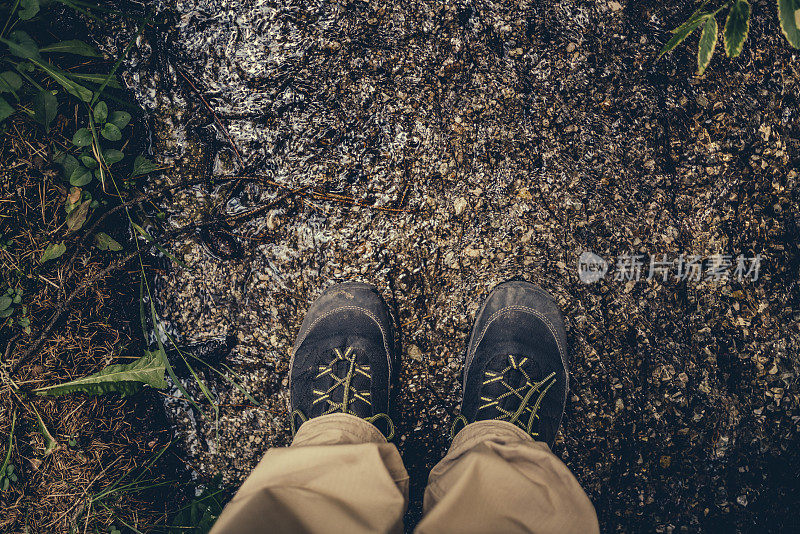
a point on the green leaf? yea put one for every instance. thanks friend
(737, 27)
(120, 119)
(5, 302)
(100, 112)
(61, 78)
(21, 45)
(6, 313)
(28, 9)
(95, 78)
(708, 42)
(5, 109)
(80, 176)
(50, 443)
(142, 165)
(69, 165)
(82, 137)
(77, 217)
(789, 15)
(53, 251)
(683, 31)
(79, 48)
(112, 156)
(89, 161)
(104, 241)
(10, 82)
(45, 107)
(111, 132)
(120, 378)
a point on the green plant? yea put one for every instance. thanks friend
(35, 75)
(95, 160)
(50, 443)
(27, 64)
(7, 477)
(23, 89)
(12, 297)
(5, 242)
(736, 30)
(201, 513)
(121, 378)
(124, 485)
(8, 299)
(25, 321)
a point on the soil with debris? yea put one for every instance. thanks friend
(438, 148)
(69, 450)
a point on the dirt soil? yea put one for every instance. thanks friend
(438, 148)
(99, 442)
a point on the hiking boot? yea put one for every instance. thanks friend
(516, 366)
(344, 358)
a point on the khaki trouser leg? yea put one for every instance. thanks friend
(495, 478)
(339, 475)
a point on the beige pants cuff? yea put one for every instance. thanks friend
(340, 475)
(496, 478)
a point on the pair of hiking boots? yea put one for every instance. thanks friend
(516, 364)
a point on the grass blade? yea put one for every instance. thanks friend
(61, 78)
(50, 443)
(119, 61)
(95, 79)
(170, 371)
(229, 379)
(73, 46)
(10, 441)
(151, 239)
(202, 385)
(118, 518)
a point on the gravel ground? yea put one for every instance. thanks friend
(448, 146)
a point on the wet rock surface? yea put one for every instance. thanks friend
(437, 149)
